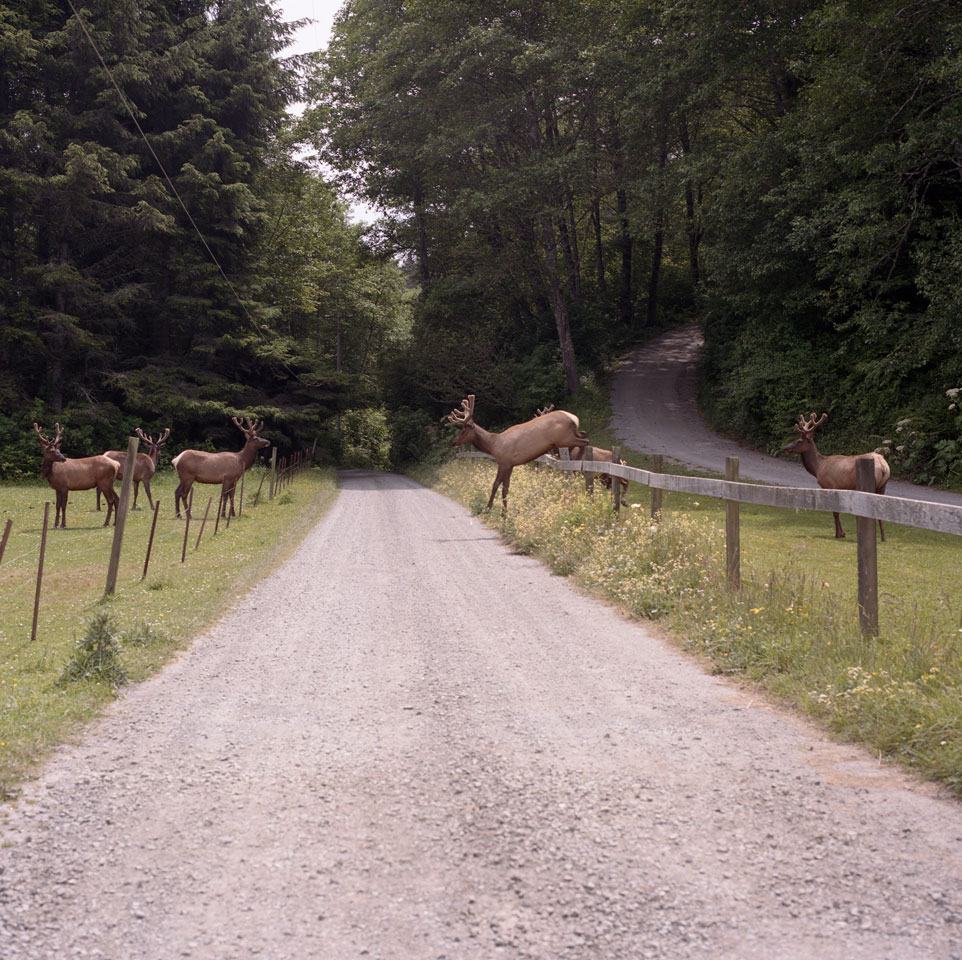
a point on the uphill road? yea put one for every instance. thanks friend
(655, 410)
(411, 742)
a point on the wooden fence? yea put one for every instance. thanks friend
(866, 506)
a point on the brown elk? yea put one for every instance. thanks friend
(145, 466)
(519, 444)
(597, 453)
(834, 472)
(225, 468)
(64, 475)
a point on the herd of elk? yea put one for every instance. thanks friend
(597, 453)
(519, 444)
(145, 466)
(64, 475)
(225, 467)
(834, 472)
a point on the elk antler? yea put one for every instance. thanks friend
(149, 440)
(249, 428)
(465, 414)
(543, 410)
(50, 443)
(807, 426)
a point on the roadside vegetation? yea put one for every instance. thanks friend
(86, 645)
(792, 628)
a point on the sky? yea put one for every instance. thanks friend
(312, 37)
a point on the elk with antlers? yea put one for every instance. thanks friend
(64, 475)
(834, 472)
(145, 466)
(519, 444)
(225, 468)
(597, 453)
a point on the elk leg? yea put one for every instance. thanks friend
(181, 494)
(839, 532)
(506, 480)
(136, 488)
(60, 511)
(147, 491)
(494, 490)
(881, 531)
(112, 501)
(98, 499)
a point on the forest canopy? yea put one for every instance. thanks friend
(556, 181)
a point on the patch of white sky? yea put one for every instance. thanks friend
(315, 35)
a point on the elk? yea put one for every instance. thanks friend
(835, 472)
(64, 475)
(144, 466)
(519, 444)
(597, 453)
(225, 468)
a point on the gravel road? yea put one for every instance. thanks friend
(410, 742)
(653, 400)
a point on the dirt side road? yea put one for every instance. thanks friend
(654, 411)
(411, 743)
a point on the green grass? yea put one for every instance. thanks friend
(151, 618)
(793, 627)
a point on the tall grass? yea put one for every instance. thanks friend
(792, 628)
(149, 618)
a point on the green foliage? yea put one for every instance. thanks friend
(97, 655)
(366, 441)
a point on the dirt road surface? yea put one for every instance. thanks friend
(655, 411)
(410, 742)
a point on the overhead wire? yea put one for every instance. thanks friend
(163, 170)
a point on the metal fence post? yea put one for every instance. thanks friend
(589, 476)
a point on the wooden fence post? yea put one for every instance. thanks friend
(733, 549)
(656, 467)
(240, 506)
(43, 547)
(6, 534)
(867, 554)
(120, 520)
(150, 541)
(616, 482)
(589, 477)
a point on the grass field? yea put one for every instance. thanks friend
(150, 618)
(792, 628)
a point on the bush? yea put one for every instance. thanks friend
(97, 655)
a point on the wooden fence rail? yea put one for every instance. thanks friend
(867, 507)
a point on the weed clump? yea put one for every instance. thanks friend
(96, 656)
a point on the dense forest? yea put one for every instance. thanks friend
(555, 181)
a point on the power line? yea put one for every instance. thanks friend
(129, 109)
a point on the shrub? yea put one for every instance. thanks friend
(97, 655)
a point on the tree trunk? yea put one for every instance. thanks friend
(422, 233)
(599, 249)
(625, 243)
(692, 205)
(558, 305)
(654, 278)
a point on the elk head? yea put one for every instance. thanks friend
(250, 428)
(153, 445)
(806, 433)
(463, 418)
(51, 448)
